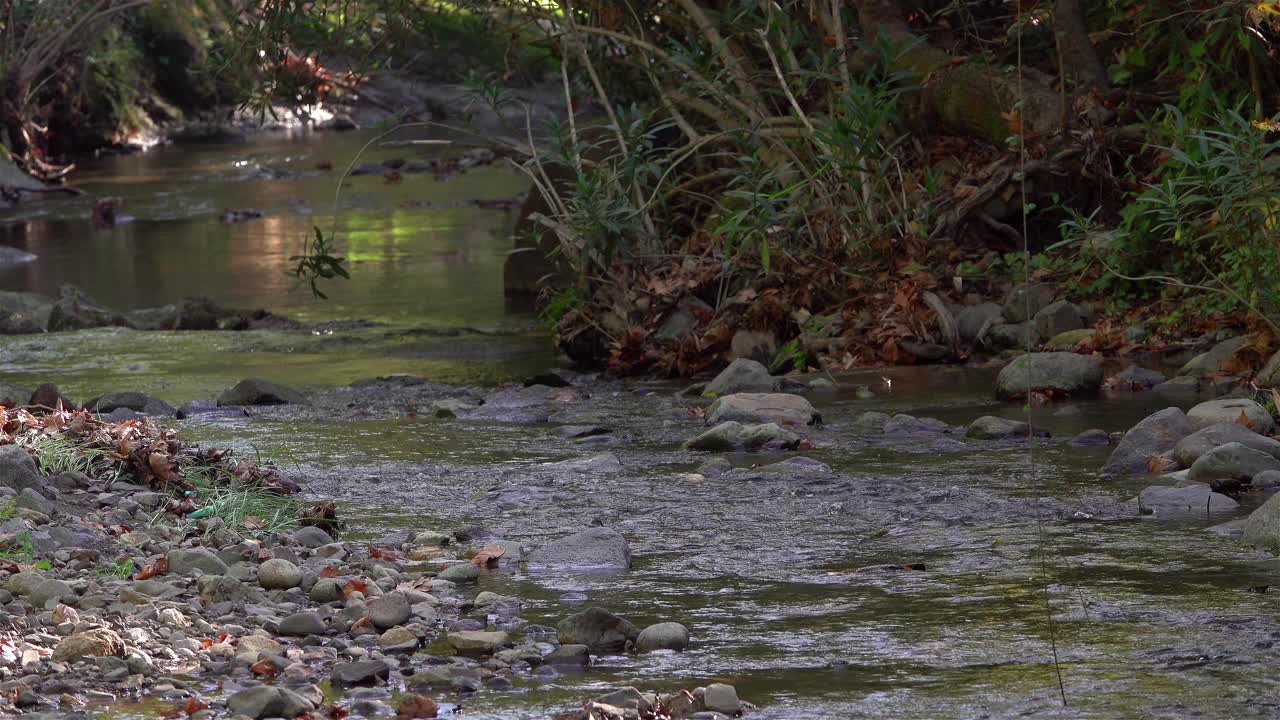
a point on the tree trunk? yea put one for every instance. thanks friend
(965, 98)
(1079, 57)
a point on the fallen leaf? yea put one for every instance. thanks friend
(1244, 420)
(195, 705)
(417, 706)
(265, 668)
(336, 712)
(1158, 464)
(329, 571)
(355, 585)
(252, 522)
(163, 467)
(159, 567)
(488, 555)
(363, 622)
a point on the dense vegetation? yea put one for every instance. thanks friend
(815, 169)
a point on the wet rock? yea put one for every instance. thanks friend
(451, 408)
(1059, 371)
(1192, 499)
(136, 401)
(1069, 340)
(1262, 528)
(742, 376)
(663, 636)
(265, 701)
(1094, 438)
(974, 321)
(989, 427)
(187, 562)
(327, 590)
(477, 642)
(722, 698)
(1157, 434)
(311, 537)
(279, 574)
(1025, 300)
(258, 645)
(1190, 448)
(1215, 360)
(74, 310)
(597, 628)
(96, 642)
(364, 672)
(1230, 466)
(389, 610)
(629, 699)
(460, 573)
(1007, 336)
(681, 321)
(592, 549)
(1213, 412)
(779, 408)
(872, 419)
(569, 655)
(1134, 376)
(905, 424)
(575, 432)
(398, 640)
(254, 391)
(757, 345)
(736, 436)
(17, 469)
(153, 319)
(338, 122)
(602, 463)
(302, 624)
(1058, 317)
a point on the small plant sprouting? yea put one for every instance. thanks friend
(120, 568)
(317, 262)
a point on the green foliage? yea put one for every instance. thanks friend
(561, 303)
(250, 511)
(791, 353)
(55, 455)
(26, 554)
(317, 262)
(121, 569)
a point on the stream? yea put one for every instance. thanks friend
(768, 567)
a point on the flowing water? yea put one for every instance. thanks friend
(767, 566)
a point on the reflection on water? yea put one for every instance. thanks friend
(421, 254)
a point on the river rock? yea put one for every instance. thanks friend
(302, 624)
(266, 701)
(74, 310)
(1192, 499)
(989, 427)
(1069, 340)
(464, 572)
(872, 419)
(31, 499)
(477, 642)
(258, 645)
(722, 698)
(254, 391)
(1231, 465)
(1025, 300)
(779, 408)
(736, 436)
(327, 590)
(1269, 375)
(1134, 376)
(1213, 412)
(17, 469)
(592, 549)
(1190, 448)
(389, 610)
(52, 590)
(1058, 317)
(910, 424)
(136, 401)
(1060, 371)
(95, 642)
(569, 655)
(363, 672)
(1215, 360)
(187, 562)
(1157, 434)
(758, 345)
(1006, 336)
(1094, 438)
(279, 574)
(742, 376)
(601, 463)
(1262, 528)
(221, 588)
(451, 407)
(681, 321)
(974, 321)
(663, 636)
(311, 537)
(597, 628)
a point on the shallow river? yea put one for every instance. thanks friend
(1151, 618)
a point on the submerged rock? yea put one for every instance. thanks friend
(911, 424)
(255, 391)
(592, 549)
(1094, 438)
(736, 436)
(1140, 377)
(742, 376)
(779, 408)
(1192, 499)
(1158, 433)
(989, 427)
(1213, 412)
(1058, 371)
(597, 628)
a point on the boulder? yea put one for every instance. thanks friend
(1230, 466)
(1058, 317)
(23, 312)
(477, 642)
(736, 436)
(1216, 360)
(989, 427)
(95, 642)
(1197, 499)
(742, 376)
(48, 395)
(164, 317)
(663, 636)
(136, 401)
(1158, 433)
(1190, 448)
(463, 572)
(254, 391)
(17, 469)
(1025, 300)
(74, 310)
(1213, 412)
(1058, 371)
(597, 628)
(1262, 528)
(592, 549)
(267, 701)
(779, 408)
(569, 655)
(722, 698)
(363, 672)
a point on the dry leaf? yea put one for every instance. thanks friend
(195, 705)
(488, 555)
(253, 522)
(1244, 420)
(355, 585)
(266, 668)
(330, 571)
(417, 706)
(1157, 464)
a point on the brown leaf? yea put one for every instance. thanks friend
(1157, 464)
(265, 668)
(252, 522)
(417, 706)
(355, 585)
(195, 705)
(488, 555)
(330, 571)
(1244, 420)
(363, 622)
(159, 567)
(163, 467)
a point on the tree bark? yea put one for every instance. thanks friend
(966, 98)
(1079, 56)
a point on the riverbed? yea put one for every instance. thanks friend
(772, 569)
